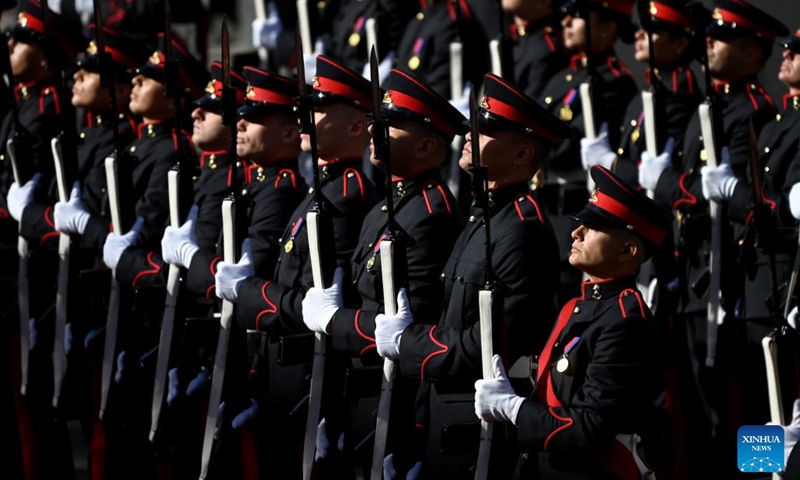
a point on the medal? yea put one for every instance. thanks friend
(289, 246)
(563, 364)
(371, 262)
(565, 113)
(354, 39)
(295, 229)
(635, 135)
(413, 62)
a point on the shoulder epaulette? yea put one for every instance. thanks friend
(435, 198)
(631, 303)
(352, 183)
(286, 177)
(46, 91)
(527, 207)
(756, 92)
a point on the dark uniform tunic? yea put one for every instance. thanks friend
(346, 40)
(538, 54)
(274, 192)
(153, 155)
(275, 305)
(681, 96)
(426, 211)
(612, 378)
(424, 49)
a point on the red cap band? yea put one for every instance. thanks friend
(507, 111)
(730, 17)
(410, 103)
(329, 85)
(639, 224)
(664, 12)
(255, 94)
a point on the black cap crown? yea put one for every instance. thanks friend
(739, 18)
(30, 28)
(268, 92)
(125, 52)
(193, 75)
(504, 107)
(614, 204)
(408, 98)
(336, 83)
(212, 99)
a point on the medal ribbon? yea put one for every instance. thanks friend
(359, 24)
(571, 345)
(297, 227)
(419, 44)
(570, 97)
(377, 248)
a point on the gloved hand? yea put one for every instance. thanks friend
(33, 334)
(389, 329)
(384, 68)
(198, 382)
(230, 277)
(320, 305)
(791, 432)
(93, 337)
(322, 442)
(794, 200)
(597, 151)
(71, 216)
(178, 245)
(389, 472)
(69, 337)
(118, 375)
(651, 168)
(719, 182)
(462, 104)
(266, 31)
(21, 197)
(173, 385)
(495, 400)
(791, 319)
(247, 414)
(116, 244)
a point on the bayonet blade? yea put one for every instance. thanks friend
(226, 53)
(301, 67)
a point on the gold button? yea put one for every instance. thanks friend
(384, 208)
(83, 134)
(548, 100)
(472, 219)
(778, 117)
(133, 149)
(633, 123)
(311, 190)
(766, 149)
(420, 16)
(577, 310)
(2, 157)
(620, 151)
(766, 169)
(568, 77)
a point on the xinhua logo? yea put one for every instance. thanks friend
(760, 448)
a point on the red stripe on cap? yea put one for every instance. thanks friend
(731, 17)
(269, 96)
(669, 14)
(411, 103)
(218, 91)
(507, 111)
(329, 85)
(620, 6)
(26, 20)
(640, 224)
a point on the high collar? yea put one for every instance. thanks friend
(791, 101)
(580, 61)
(606, 289)
(502, 196)
(333, 170)
(404, 186)
(525, 28)
(105, 119)
(729, 88)
(214, 160)
(257, 173)
(152, 130)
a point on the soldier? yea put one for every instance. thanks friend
(268, 137)
(219, 170)
(561, 186)
(516, 135)
(422, 127)
(272, 305)
(39, 112)
(599, 371)
(537, 48)
(769, 229)
(160, 143)
(739, 42)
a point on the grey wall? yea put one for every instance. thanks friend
(787, 11)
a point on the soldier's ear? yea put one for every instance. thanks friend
(426, 146)
(358, 126)
(524, 154)
(630, 251)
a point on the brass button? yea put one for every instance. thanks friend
(133, 149)
(384, 208)
(766, 169)
(568, 77)
(548, 100)
(472, 219)
(576, 310)
(766, 149)
(633, 123)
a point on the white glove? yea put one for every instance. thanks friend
(651, 168)
(389, 472)
(791, 432)
(178, 245)
(495, 400)
(267, 30)
(320, 305)
(120, 373)
(230, 277)
(597, 151)
(462, 104)
(322, 444)
(310, 60)
(83, 6)
(33, 334)
(202, 379)
(247, 414)
(116, 244)
(794, 200)
(719, 182)
(173, 385)
(384, 68)
(21, 197)
(71, 216)
(389, 328)
(792, 318)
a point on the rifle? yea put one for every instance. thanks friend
(653, 96)
(304, 27)
(263, 52)
(177, 184)
(62, 297)
(586, 88)
(391, 259)
(480, 182)
(456, 93)
(711, 126)
(233, 214)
